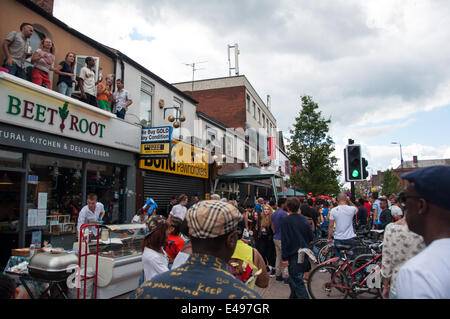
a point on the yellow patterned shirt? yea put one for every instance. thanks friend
(202, 276)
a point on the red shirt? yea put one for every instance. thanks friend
(174, 245)
(369, 208)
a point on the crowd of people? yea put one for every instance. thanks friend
(94, 90)
(268, 236)
(219, 249)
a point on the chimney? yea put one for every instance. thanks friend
(268, 102)
(415, 161)
(47, 5)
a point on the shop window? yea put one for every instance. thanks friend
(54, 188)
(10, 159)
(107, 181)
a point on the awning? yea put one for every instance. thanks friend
(291, 193)
(248, 174)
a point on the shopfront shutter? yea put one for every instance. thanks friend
(161, 187)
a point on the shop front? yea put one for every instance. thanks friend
(55, 150)
(185, 172)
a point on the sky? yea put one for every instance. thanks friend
(379, 69)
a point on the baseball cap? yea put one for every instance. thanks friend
(396, 211)
(212, 218)
(432, 183)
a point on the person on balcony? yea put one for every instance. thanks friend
(17, 49)
(87, 83)
(104, 95)
(66, 76)
(122, 100)
(43, 60)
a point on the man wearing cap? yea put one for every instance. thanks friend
(426, 200)
(213, 229)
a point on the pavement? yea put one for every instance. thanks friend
(275, 290)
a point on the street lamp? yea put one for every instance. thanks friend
(401, 155)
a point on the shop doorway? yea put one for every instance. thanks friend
(10, 191)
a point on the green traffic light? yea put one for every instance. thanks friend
(355, 173)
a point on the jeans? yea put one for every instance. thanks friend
(121, 114)
(297, 285)
(15, 70)
(278, 261)
(350, 241)
(65, 89)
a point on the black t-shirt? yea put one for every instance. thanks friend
(65, 78)
(362, 215)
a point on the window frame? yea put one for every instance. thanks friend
(149, 119)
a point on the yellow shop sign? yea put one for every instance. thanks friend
(185, 160)
(155, 149)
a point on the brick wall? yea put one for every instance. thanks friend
(225, 105)
(47, 5)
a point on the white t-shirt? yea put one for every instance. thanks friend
(88, 77)
(179, 211)
(153, 263)
(426, 275)
(180, 260)
(343, 217)
(87, 217)
(137, 219)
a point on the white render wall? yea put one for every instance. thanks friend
(133, 79)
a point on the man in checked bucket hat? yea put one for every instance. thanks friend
(213, 230)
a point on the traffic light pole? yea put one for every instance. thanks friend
(352, 190)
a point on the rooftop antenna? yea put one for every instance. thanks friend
(193, 72)
(236, 59)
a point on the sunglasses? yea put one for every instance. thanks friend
(402, 197)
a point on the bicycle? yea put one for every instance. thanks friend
(340, 281)
(318, 244)
(362, 247)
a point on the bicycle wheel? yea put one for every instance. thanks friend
(322, 283)
(358, 251)
(318, 244)
(327, 252)
(365, 291)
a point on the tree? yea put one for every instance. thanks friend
(390, 183)
(310, 151)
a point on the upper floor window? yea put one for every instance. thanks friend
(146, 103)
(263, 121)
(259, 116)
(254, 110)
(248, 103)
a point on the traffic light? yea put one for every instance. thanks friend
(353, 163)
(364, 163)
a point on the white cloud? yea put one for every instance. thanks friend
(375, 62)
